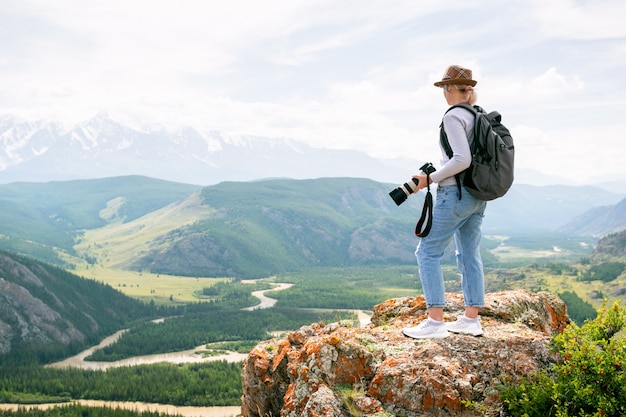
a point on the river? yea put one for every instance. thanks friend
(266, 302)
(185, 356)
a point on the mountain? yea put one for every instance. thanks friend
(40, 151)
(599, 221)
(253, 229)
(613, 245)
(256, 229)
(47, 310)
(550, 207)
(249, 229)
(100, 147)
(36, 217)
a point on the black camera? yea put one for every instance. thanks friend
(400, 194)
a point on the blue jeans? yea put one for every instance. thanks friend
(461, 220)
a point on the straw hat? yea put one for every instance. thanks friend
(457, 75)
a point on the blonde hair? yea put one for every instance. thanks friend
(472, 96)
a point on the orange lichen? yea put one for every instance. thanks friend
(284, 348)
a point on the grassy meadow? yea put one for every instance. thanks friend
(147, 287)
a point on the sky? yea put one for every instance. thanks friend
(341, 74)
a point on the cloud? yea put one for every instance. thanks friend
(579, 19)
(552, 85)
(345, 74)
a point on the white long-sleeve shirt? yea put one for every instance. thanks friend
(459, 126)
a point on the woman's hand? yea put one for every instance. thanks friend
(422, 182)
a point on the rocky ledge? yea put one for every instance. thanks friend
(338, 370)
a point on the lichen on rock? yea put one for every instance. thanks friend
(395, 375)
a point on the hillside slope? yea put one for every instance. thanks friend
(250, 229)
(532, 208)
(118, 244)
(613, 245)
(599, 221)
(47, 310)
(266, 227)
(38, 216)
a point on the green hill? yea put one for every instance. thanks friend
(263, 228)
(611, 247)
(38, 217)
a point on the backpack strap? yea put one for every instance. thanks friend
(445, 144)
(448, 149)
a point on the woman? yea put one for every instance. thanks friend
(454, 216)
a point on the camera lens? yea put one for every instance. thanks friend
(400, 194)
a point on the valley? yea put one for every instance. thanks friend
(213, 260)
(147, 287)
(186, 356)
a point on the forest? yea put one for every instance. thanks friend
(203, 384)
(77, 410)
(213, 325)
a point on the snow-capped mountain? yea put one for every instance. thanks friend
(39, 151)
(100, 147)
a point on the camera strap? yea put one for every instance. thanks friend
(422, 228)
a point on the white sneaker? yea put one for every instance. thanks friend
(465, 326)
(428, 329)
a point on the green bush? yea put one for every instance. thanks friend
(588, 378)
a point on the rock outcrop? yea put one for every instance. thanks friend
(337, 370)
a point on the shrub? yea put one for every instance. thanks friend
(588, 378)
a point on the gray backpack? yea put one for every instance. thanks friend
(490, 174)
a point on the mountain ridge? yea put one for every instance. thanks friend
(101, 147)
(254, 229)
(599, 221)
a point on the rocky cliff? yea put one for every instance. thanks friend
(337, 370)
